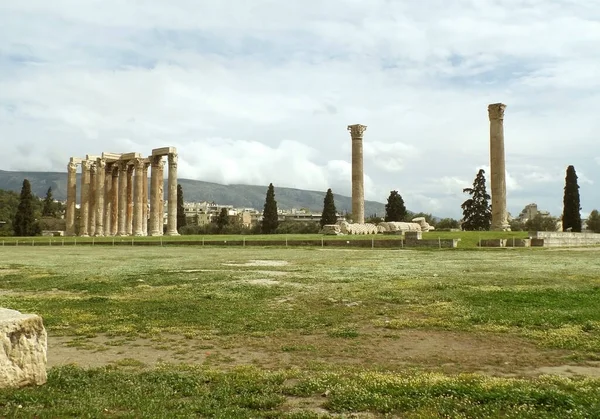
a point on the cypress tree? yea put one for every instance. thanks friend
(222, 219)
(24, 223)
(477, 214)
(329, 214)
(395, 209)
(571, 206)
(270, 219)
(181, 221)
(48, 209)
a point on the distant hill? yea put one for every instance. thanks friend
(251, 196)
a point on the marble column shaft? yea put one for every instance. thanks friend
(71, 198)
(161, 198)
(172, 210)
(122, 223)
(498, 167)
(108, 199)
(145, 200)
(85, 198)
(138, 195)
(129, 217)
(155, 199)
(114, 213)
(358, 185)
(93, 203)
(99, 196)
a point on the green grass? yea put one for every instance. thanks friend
(344, 300)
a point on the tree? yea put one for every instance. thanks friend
(222, 219)
(181, 221)
(593, 221)
(447, 223)
(24, 223)
(49, 208)
(571, 216)
(329, 214)
(477, 214)
(270, 218)
(395, 209)
(541, 223)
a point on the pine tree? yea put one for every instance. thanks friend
(571, 207)
(477, 214)
(222, 219)
(24, 223)
(49, 208)
(329, 214)
(395, 209)
(593, 221)
(181, 221)
(270, 219)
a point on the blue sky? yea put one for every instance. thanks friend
(262, 91)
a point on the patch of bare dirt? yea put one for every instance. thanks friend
(259, 262)
(449, 352)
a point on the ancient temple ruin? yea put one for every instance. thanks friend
(114, 194)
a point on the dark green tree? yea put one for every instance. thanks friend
(270, 219)
(24, 223)
(447, 223)
(222, 220)
(395, 209)
(181, 221)
(329, 214)
(49, 208)
(593, 221)
(571, 206)
(477, 214)
(541, 223)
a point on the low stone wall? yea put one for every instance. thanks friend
(563, 239)
(23, 346)
(512, 242)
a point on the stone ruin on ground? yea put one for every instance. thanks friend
(23, 348)
(391, 227)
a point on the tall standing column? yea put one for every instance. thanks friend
(358, 182)
(138, 195)
(71, 198)
(85, 198)
(145, 200)
(108, 199)
(129, 218)
(93, 203)
(122, 231)
(114, 213)
(99, 196)
(155, 199)
(161, 197)
(498, 168)
(172, 210)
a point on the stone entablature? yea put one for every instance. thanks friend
(114, 194)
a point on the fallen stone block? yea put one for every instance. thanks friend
(23, 348)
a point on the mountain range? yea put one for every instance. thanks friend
(240, 196)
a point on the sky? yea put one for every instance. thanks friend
(262, 91)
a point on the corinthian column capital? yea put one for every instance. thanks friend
(357, 130)
(496, 111)
(173, 160)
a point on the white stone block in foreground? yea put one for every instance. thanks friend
(23, 346)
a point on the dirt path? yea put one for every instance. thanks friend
(449, 352)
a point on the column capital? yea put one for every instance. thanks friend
(138, 164)
(93, 168)
(357, 130)
(86, 165)
(496, 111)
(100, 163)
(156, 161)
(173, 160)
(72, 167)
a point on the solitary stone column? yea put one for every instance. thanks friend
(99, 193)
(498, 168)
(114, 213)
(172, 210)
(138, 196)
(85, 198)
(358, 182)
(145, 199)
(108, 199)
(93, 203)
(71, 198)
(155, 201)
(122, 198)
(129, 218)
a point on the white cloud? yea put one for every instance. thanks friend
(258, 92)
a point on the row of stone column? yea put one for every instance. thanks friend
(114, 196)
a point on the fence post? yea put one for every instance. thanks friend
(202, 241)
(322, 244)
(372, 243)
(63, 242)
(93, 240)
(243, 242)
(161, 242)
(132, 241)
(439, 242)
(286, 240)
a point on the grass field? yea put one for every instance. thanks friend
(188, 331)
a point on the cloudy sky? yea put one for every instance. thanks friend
(262, 91)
